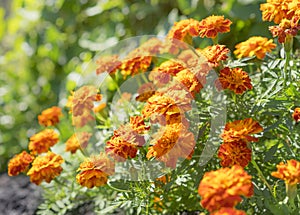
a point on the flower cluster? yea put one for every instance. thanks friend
(236, 136)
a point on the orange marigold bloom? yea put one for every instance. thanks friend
(145, 92)
(241, 130)
(224, 187)
(234, 79)
(286, 28)
(108, 64)
(83, 119)
(123, 144)
(215, 54)
(84, 99)
(95, 170)
(236, 152)
(275, 10)
(289, 172)
(42, 141)
(45, 168)
(212, 25)
(185, 27)
(254, 46)
(171, 143)
(137, 124)
(19, 163)
(190, 81)
(76, 141)
(296, 114)
(50, 116)
(228, 211)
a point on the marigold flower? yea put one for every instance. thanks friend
(228, 211)
(84, 99)
(234, 153)
(185, 27)
(190, 81)
(212, 25)
(215, 54)
(134, 65)
(241, 130)
(145, 92)
(108, 64)
(286, 29)
(76, 141)
(254, 46)
(83, 119)
(158, 205)
(95, 170)
(151, 47)
(50, 116)
(137, 124)
(289, 172)
(45, 168)
(234, 79)
(296, 114)
(19, 163)
(171, 143)
(275, 10)
(224, 187)
(42, 141)
(123, 144)
(99, 108)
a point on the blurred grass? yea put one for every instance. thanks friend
(43, 42)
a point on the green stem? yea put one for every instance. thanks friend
(262, 177)
(215, 40)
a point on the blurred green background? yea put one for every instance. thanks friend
(43, 44)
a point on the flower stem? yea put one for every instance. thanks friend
(262, 177)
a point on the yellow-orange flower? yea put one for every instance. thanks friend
(50, 116)
(137, 124)
(241, 130)
(233, 153)
(215, 54)
(77, 140)
(99, 108)
(234, 79)
(185, 27)
(45, 168)
(145, 92)
(289, 172)
(108, 64)
(19, 163)
(276, 10)
(83, 119)
(254, 46)
(212, 25)
(286, 28)
(224, 187)
(42, 141)
(228, 211)
(83, 100)
(296, 114)
(190, 81)
(123, 144)
(95, 170)
(170, 143)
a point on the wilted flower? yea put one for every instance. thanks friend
(212, 25)
(254, 46)
(19, 163)
(296, 114)
(45, 168)
(50, 116)
(95, 170)
(234, 79)
(42, 141)
(241, 130)
(234, 153)
(224, 188)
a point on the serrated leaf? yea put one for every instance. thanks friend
(270, 153)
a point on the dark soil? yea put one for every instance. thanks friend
(18, 196)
